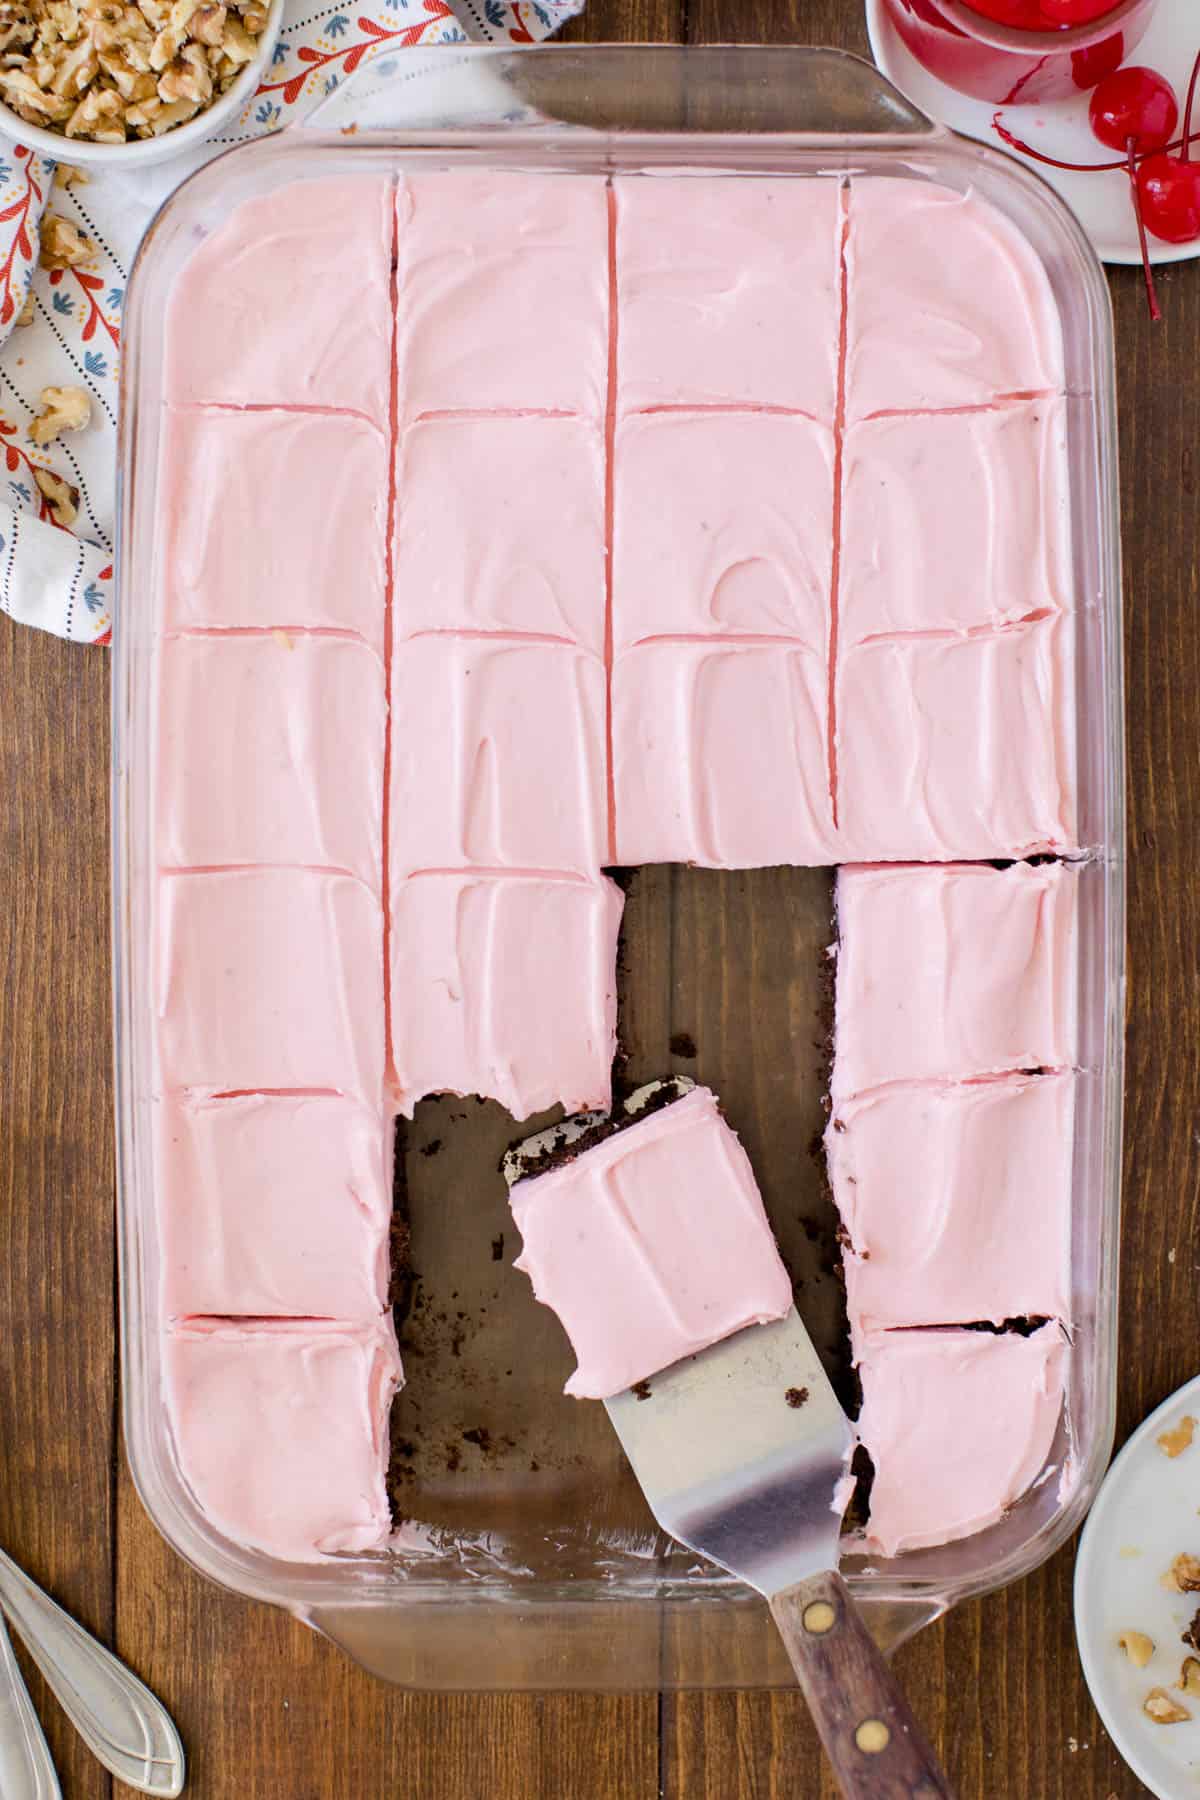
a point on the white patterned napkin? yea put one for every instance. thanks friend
(61, 579)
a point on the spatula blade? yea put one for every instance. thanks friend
(743, 1454)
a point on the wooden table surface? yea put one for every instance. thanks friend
(269, 1711)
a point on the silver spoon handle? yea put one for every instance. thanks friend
(118, 1718)
(26, 1771)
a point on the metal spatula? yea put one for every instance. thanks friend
(741, 1452)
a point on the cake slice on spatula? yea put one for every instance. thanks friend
(647, 1235)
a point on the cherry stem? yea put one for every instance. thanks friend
(1187, 111)
(1122, 162)
(1151, 290)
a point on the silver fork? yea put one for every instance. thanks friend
(115, 1714)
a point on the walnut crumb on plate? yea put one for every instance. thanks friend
(1159, 1706)
(1178, 1439)
(1183, 1576)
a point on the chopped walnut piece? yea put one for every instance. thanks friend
(1137, 1647)
(1159, 1706)
(28, 311)
(1189, 1677)
(1183, 1576)
(61, 497)
(67, 175)
(67, 409)
(1191, 1637)
(1178, 1439)
(63, 244)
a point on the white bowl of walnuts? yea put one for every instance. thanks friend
(128, 81)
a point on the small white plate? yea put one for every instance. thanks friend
(1146, 1512)
(1100, 201)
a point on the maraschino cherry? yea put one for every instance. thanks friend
(1134, 104)
(1169, 186)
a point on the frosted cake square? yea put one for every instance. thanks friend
(505, 987)
(270, 978)
(719, 755)
(500, 527)
(274, 722)
(498, 756)
(723, 525)
(660, 1226)
(274, 1205)
(273, 519)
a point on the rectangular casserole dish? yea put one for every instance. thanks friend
(533, 1562)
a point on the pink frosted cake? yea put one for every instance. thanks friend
(660, 1226)
(749, 546)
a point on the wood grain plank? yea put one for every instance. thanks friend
(56, 1164)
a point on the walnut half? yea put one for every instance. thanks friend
(61, 497)
(67, 409)
(1137, 1647)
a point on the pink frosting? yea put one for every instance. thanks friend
(948, 303)
(498, 756)
(500, 527)
(281, 1430)
(274, 1206)
(503, 291)
(948, 973)
(927, 498)
(714, 277)
(305, 238)
(764, 799)
(270, 978)
(957, 747)
(958, 1424)
(957, 1200)
(234, 557)
(297, 712)
(505, 987)
(651, 1245)
(723, 525)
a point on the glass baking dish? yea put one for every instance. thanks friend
(532, 1561)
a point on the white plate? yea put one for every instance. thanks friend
(1146, 1512)
(1101, 201)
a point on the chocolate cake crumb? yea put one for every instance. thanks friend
(480, 1436)
(859, 1509)
(641, 1389)
(796, 1396)
(453, 1459)
(683, 1044)
(534, 1466)
(498, 1247)
(432, 1147)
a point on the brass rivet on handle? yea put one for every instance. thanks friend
(818, 1618)
(872, 1737)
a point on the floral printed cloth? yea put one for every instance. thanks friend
(59, 579)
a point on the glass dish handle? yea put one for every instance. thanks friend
(730, 88)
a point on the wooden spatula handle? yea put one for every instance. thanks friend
(872, 1740)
